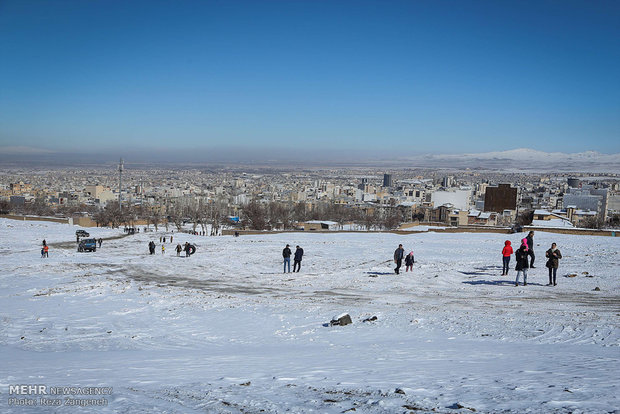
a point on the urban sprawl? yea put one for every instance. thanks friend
(211, 200)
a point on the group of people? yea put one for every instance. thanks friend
(522, 257)
(523, 253)
(162, 239)
(214, 232)
(286, 254)
(399, 254)
(187, 247)
(45, 250)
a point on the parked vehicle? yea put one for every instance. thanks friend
(82, 233)
(87, 245)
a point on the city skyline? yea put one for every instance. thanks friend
(275, 79)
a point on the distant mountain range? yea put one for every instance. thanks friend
(522, 159)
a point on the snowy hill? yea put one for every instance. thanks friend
(225, 331)
(524, 159)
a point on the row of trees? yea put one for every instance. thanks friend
(207, 216)
(210, 216)
(38, 207)
(274, 215)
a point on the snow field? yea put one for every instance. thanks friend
(182, 334)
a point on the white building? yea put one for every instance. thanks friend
(460, 199)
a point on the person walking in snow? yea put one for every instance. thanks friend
(506, 253)
(100, 241)
(398, 258)
(522, 264)
(179, 249)
(409, 261)
(530, 246)
(299, 253)
(553, 263)
(163, 249)
(286, 254)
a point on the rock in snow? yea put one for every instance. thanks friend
(341, 320)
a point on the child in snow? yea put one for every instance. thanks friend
(524, 243)
(522, 264)
(409, 261)
(553, 263)
(163, 249)
(506, 253)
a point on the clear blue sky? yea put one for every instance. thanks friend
(406, 76)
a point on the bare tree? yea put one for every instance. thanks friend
(155, 217)
(217, 215)
(175, 214)
(5, 207)
(113, 214)
(254, 216)
(614, 221)
(391, 218)
(299, 212)
(279, 215)
(371, 218)
(525, 218)
(101, 217)
(203, 213)
(592, 223)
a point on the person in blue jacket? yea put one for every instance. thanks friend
(299, 253)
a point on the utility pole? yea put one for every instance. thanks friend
(120, 184)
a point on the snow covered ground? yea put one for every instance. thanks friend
(226, 331)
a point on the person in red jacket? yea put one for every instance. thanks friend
(506, 252)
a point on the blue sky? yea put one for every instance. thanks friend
(378, 76)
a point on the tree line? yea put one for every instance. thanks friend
(212, 215)
(284, 216)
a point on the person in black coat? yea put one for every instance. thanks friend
(299, 253)
(522, 265)
(398, 258)
(286, 254)
(409, 261)
(530, 245)
(553, 263)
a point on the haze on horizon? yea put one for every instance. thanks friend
(270, 80)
